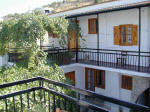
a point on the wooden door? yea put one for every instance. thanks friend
(71, 76)
(72, 39)
(90, 79)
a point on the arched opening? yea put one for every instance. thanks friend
(144, 98)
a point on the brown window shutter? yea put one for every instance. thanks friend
(117, 35)
(86, 78)
(135, 34)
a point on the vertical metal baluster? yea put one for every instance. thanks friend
(70, 107)
(6, 105)
(40, 85)
(28, 100)
(78, 97)
(49, 106)
(59, 102)
(34, 96)
(44, 97)
(54, 108)
(65, 104)
(21, 103)
(14, 103)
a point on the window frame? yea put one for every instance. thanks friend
(97, 79)
(126, 34)
(95, 26)
(133, 41)
(125, 82)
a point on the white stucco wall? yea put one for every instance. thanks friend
(50, 41)
(79, 75)
(107, 21)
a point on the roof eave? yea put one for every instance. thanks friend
(109, 10)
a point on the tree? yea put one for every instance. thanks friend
(24, 31)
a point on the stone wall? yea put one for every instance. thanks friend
(140, 84)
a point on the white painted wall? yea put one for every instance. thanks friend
(107, 21)
(79, 75)
(50, 41)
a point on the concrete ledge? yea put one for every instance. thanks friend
(122, 71)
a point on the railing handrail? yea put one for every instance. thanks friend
(81, 91)
(96, 49)
(77, 101)
(19, 82)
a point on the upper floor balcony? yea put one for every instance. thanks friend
(129, 60)
(118, 59)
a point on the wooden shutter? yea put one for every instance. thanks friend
(117, 36)
(71, 76)
(93, 22)
(135, 34)
(86, 78)
(127, 82)
(95, 75)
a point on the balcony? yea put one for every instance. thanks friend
(49, 94)
(129, 60)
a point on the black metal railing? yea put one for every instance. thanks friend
(51, 95)
(129, 60)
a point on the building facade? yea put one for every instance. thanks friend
(114, 58)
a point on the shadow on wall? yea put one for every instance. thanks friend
(144, 98)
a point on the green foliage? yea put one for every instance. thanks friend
(16, 73)
(23, 31)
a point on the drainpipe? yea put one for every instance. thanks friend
(76, 42)
(139, 53)
(98, 39)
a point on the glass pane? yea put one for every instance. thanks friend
(92, 25)
(101, 78)
(123, 34)
(92, 79)
(129, 35)
(89, 78)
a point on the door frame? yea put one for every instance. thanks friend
(86, 77)
(69, 34)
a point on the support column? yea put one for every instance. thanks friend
(97, 39)
(139, 52)
(76, 42)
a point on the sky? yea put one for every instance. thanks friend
(20, 6)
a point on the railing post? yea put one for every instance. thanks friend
(40, 85)
(76, 55)
(76, 42)
(97, 39)
(78, 97)
(139, 53)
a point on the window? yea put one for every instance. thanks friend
(125, 35)
(127, 82)
(92, 26)
(94, 78)
(71, 76)
(100, 79)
